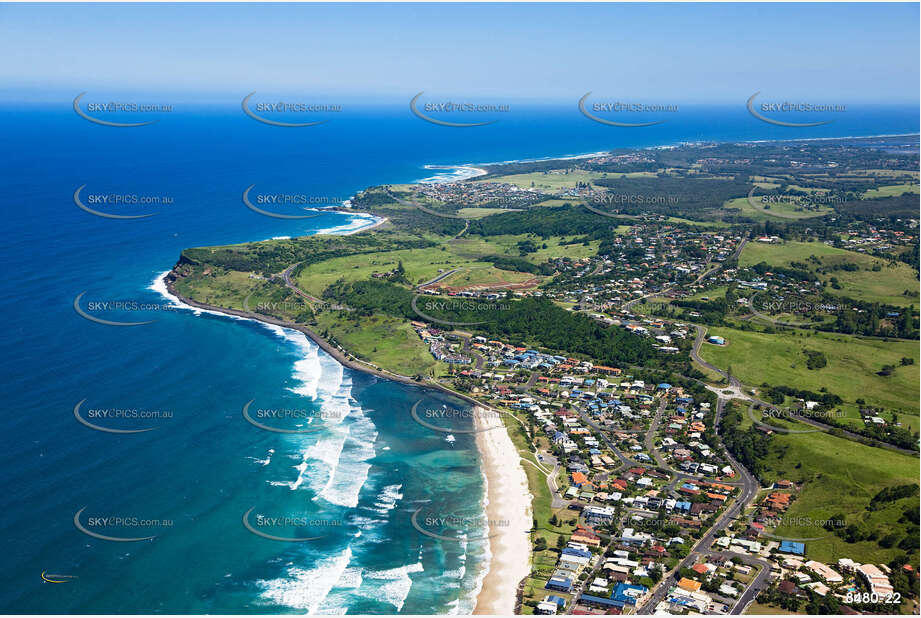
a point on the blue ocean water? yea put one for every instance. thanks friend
(366, 471)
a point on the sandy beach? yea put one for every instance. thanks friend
(509, 513)
(380, 221)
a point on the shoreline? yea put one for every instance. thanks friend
(587, 155)
(509, 514)
(380, 221)
(507, 498)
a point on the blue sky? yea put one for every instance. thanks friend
(687, 53)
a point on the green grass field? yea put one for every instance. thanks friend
(759, 609)
(839, 476)
(387, 342)
(777, 210)
(890, 190)
(420, 264)
(478, 213)
(885, 285)
(484, 275)
(566, 179)
(542, 561)
(778, 359)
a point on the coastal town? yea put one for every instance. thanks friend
(630, 465)
(463, 309)
(669, 464)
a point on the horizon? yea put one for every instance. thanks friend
(671, 53)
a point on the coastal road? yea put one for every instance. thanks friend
(649, 440)
(604, 438)
(438, 278)
(734, 383)
(758, 584)
(738, 391)
(749, 490)
(286, 276)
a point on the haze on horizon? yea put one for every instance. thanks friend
(687, 53)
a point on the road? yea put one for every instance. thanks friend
(286, 276)
(703, 275)
(738, 391)
(438, 278)
(758, 584)
(749, 490)
(649, 440)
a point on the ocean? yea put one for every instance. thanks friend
(187, 483)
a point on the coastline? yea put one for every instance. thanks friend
(509, 515)
(507, 499)
(380, 221)
(588, 155)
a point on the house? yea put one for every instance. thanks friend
(825, 572)
(728, 590)
(586, 536)
(628, 594)
(598, 514)
(699, 568)
(875, 579)
(574, 560)
(691, 585)
(559, 583)
(547, 607)
(629, 537)
(792, 547)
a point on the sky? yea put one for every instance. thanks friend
(682, 53)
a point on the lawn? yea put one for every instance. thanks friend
(562, 179)
(475, 246)
(478, 213)
(387, 342)
(779, 360)
(484, 275)
(777, 210)
(760, 609)
(839, 476)
(885, 285)
(420, 265)
(890, 190)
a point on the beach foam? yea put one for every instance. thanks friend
(349, 475)
(307, 589)
(392, 585)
